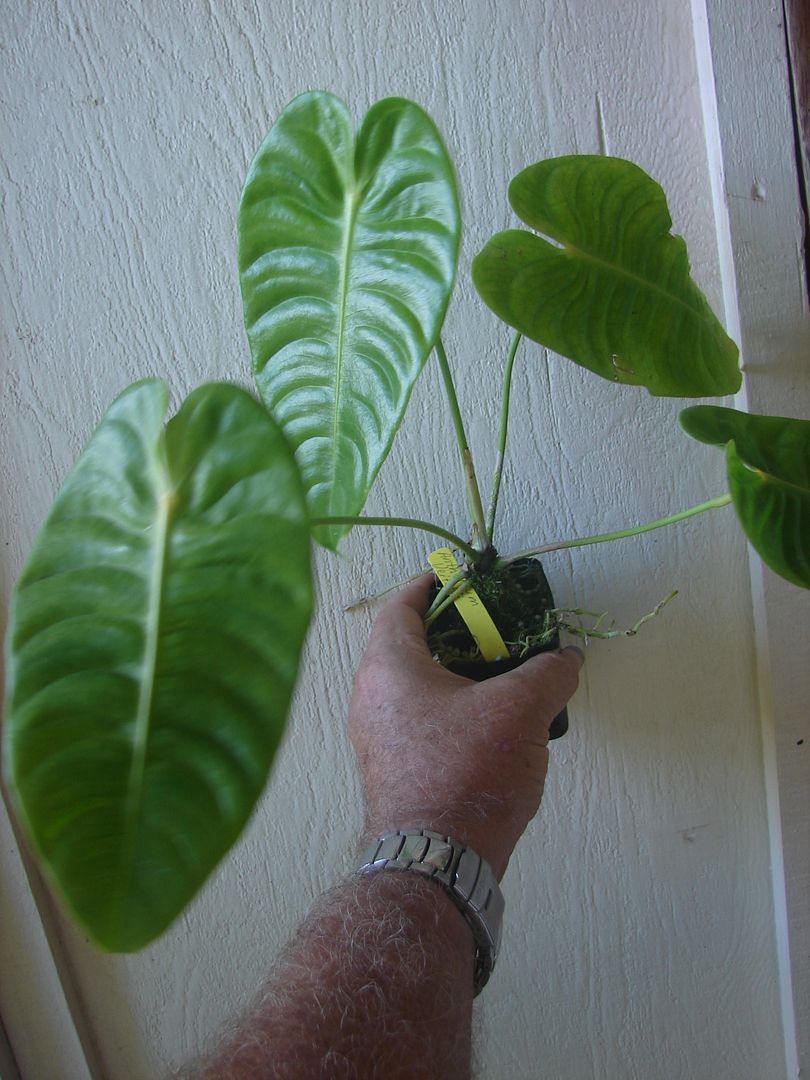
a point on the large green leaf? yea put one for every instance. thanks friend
(153, 649)
(347, 255)
(612, 290)
(768, 466)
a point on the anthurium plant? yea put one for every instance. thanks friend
(156, 628)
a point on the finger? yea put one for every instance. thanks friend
(549, 679)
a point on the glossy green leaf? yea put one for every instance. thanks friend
(347, 256)
(611, 288)
(153, 649)
(773, 444)
(768, 466)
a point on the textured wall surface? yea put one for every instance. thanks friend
(639, 929)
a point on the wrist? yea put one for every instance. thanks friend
(427, 917)
(418, 899)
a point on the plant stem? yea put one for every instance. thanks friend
(405, 523)
(504, 427)
(473, 492)
(474, 500)
(448, 600)
(444, 591)
(601, 538)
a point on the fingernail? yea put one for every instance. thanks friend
(577, 650)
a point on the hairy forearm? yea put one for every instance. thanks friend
(377, 983)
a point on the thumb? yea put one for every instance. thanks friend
(547, 680)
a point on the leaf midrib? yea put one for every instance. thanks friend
(143, 713)
(620, 270)
(776, 481)
(350, 208)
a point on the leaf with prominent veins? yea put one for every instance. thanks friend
(607, 284)
(347, 256)
(154, 643)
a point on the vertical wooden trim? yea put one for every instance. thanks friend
(763, 195)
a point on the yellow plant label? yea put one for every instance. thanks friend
(471, 608)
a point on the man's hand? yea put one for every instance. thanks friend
(440, 751)
(379, 979)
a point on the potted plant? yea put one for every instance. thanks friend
(157, 626)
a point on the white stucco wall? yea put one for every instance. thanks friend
(639, 927)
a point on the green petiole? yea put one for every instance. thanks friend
(601, 538)
(504, 427)
(449, 599)
(445, 590)
(473, 491)
(405, 523)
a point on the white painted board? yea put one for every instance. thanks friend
(767, 230)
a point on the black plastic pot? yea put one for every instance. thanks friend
(479, 670)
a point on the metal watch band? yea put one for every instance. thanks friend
(464, 875)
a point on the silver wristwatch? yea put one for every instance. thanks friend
(464, 875)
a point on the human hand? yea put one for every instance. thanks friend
(439, 751)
